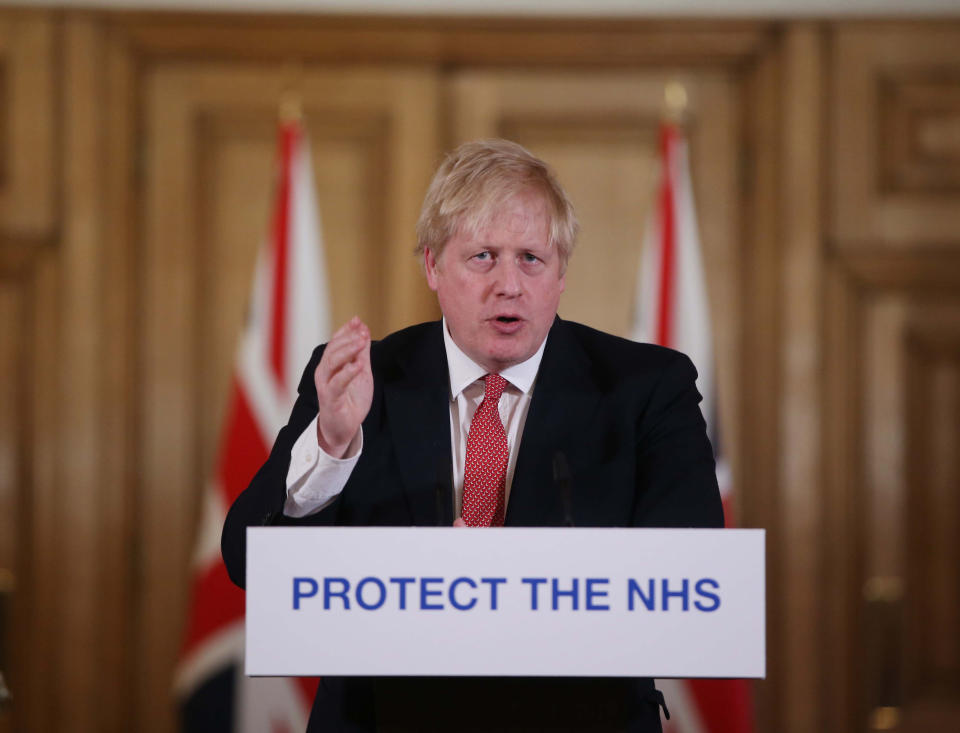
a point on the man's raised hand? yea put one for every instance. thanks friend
(344, 384)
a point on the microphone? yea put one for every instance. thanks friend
(564, 483)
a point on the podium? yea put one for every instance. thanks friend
(505, 602)
(508, 629)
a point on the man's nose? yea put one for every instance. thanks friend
(508, 279)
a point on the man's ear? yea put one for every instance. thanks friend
(430, 267)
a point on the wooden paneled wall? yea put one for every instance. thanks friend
(29, 223)
(893, 304)
(136, 155)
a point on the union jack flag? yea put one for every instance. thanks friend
(672, 310)
(288, 316)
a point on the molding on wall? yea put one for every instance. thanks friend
(554, 8)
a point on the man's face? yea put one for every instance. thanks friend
(499, 289)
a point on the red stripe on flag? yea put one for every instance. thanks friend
(243, 448)
(728, 522)
(217, 603)
(667, 238)
(281, 253)
(307, 687)
(724, 705)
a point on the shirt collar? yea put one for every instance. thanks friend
(464, 371)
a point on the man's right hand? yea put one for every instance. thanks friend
(344, 384)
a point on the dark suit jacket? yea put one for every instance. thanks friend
(625, 415)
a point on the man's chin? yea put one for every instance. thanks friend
(500, 359)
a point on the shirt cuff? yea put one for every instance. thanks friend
(315, 478)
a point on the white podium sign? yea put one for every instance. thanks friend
(505, 602)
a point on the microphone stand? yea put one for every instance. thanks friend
(563, 480)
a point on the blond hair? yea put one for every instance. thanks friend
(474, 181)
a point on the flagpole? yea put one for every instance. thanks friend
(675, 102)
(291, 107)
(291, 100)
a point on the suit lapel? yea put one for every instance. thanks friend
(564, 401)
(418, 413)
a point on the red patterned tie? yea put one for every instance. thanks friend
(485, 470)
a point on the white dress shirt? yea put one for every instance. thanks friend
(315, 479)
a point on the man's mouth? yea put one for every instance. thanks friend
(507, 325)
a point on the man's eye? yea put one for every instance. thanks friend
(529, 258)
(482, 256)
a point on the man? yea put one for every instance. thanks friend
(474, 410)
